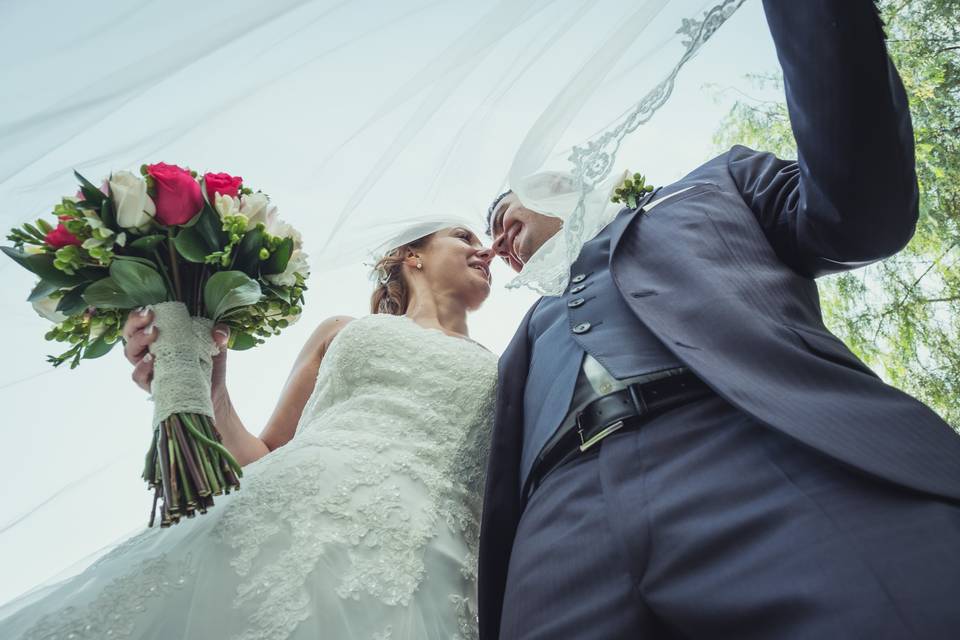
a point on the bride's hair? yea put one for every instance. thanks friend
(391, 294)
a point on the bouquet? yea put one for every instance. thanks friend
(197, 251)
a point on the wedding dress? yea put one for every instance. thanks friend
(365, 525)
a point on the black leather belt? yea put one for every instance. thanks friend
(615, 412)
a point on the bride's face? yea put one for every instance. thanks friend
(456, 263)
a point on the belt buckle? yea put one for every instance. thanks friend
(606, 431)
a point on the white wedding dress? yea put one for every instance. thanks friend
(365, 525)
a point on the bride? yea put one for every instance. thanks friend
(359, 513)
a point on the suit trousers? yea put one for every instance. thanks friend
(705, 523)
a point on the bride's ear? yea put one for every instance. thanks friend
(413, 260)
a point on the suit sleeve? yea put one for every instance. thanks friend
(851, 197)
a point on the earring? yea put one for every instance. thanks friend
(419, 265)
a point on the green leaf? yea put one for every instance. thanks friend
(92, 274)
(277, 262)
(226, 290)
(43, 289)
(90, 191)
(41, 264)
(191, 244)
(242, 341)
(192, 222)
(72, 302)
(247, 254)
(106, 215)
(36, 233)
(107, 294)
(209, 225)
(140, 282)
(89, 205)
(144, 261)
(147, 243)
(281, 294)
(98, 348)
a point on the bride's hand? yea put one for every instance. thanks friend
(139, 332)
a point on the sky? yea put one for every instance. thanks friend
(288, 85)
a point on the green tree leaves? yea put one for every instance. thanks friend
(901, 316)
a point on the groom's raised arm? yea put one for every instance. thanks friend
(851, 198)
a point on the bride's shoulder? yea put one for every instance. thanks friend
(321, 338)
(329, 328)
(325, 333)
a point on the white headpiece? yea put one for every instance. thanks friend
(412, 230)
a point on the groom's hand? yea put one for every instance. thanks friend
(139, 333)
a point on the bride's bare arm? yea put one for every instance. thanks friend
(282, 424)
(245, 447)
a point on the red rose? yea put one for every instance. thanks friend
(178, 196)
(60, 237)
(222, 183)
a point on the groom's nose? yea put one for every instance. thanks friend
(499, 246)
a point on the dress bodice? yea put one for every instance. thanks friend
(387, 380)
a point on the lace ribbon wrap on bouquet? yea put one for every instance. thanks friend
(186, 464)
(183, 362)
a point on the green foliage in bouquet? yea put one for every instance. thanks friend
(211, 246)
(93, 270)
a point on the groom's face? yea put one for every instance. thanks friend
(519, 232)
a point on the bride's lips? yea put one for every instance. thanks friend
(482, 268)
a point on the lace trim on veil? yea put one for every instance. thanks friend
(548, 270)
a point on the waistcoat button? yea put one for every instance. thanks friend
(578, 288)
(583, 327)
(576, 302)
(580, 277)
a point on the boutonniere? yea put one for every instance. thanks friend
(632, 191)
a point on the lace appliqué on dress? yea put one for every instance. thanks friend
(368, 443)
(370, 513)
(113, 613)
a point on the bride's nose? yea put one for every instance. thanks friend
(486, 254)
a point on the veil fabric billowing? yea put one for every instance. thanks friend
(369, 122)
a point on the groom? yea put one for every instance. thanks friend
(681, 448)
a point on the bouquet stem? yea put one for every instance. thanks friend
(186, 466)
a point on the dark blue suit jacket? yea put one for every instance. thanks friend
(723, 275)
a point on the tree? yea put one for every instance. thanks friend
(901, 316)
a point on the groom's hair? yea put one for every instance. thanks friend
(493, 207)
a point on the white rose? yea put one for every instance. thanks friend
(134, 206)
(47, 308)
(281, 229)
(297, 264)
(257, 208)
(226, 205)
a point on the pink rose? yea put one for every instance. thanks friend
(222, 183)
(178, 196)
(60, 237)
